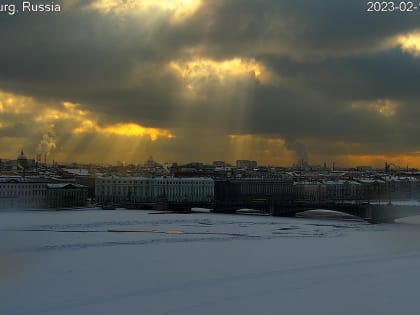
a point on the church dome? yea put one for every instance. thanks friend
(22, 161)
(22, 157)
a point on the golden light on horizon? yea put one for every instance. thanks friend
(378, 160)
(178, 9)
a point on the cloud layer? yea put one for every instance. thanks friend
(212, 80)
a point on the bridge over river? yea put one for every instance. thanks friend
(372, 212)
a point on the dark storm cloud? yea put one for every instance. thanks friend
(328, 54)
(388, 74)
(331, 85)
(302, 28)
(15, 130)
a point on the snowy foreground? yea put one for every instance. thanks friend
(138, 262)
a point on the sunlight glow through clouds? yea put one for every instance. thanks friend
(135, 130)
(384, 107)
(88, 124)
(201, 71)
(178, 9)
(16, 104)
(268, 150)
(68, 118)
(410, 42)
(69, 111)
(85, 122)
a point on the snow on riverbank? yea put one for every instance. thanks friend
(133, 262)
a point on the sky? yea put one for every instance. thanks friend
(203, 80)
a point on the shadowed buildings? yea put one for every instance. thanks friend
(22, 192)
(148, 189)
(66, 195)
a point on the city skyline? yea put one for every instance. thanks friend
(47, 159)
(196, 80)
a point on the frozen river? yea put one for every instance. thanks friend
(138, 262)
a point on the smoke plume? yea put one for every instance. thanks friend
(47, 144)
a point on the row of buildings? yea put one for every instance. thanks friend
(205, 189)
(61, 187)
(304, 189)
(38, 192)
(152, 189)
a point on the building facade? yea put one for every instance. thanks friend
(149, 189)
(314, 191)
(22, 192)
(248, 188)
(67, 195)
(246, 164)
(343, 190)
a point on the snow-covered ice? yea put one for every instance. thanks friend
(138, 262)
